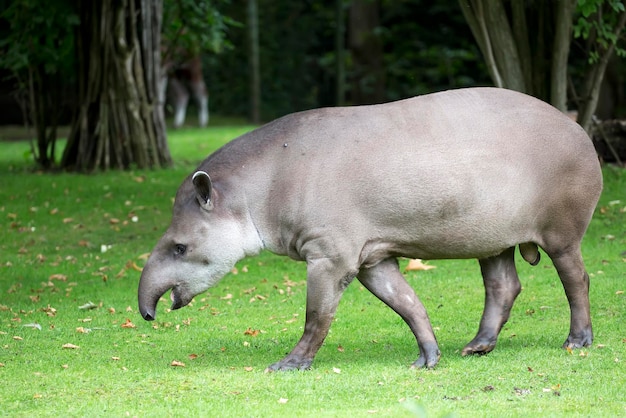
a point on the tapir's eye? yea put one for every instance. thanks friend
(179, 249)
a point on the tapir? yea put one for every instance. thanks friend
(460, 174)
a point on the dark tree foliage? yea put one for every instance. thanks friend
(426, 46)
(36, 47)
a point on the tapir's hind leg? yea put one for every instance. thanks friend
(501, 288)
(386, 282)
(569, 265)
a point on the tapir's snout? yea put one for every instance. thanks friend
(148, 301)
(148, 314)
(147, 307)
(150, 290)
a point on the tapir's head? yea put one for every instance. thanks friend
(206, 238)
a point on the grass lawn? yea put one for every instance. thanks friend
(72, 342)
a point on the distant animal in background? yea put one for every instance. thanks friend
(184, 76)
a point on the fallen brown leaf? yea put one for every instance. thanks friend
(252, 332)
(128, 324)
(49, 310)
(176, 363)
(417, 265)
(70, 346)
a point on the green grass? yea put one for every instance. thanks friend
(54, 227)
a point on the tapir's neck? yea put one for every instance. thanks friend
(252, 238)
(237, 202)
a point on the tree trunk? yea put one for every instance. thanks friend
(564, 10)
(368, 84)
(504, 46)
(491, 29)
(118, 123)
(255, 66)
(340, 47)
(475, 18)
(522, 40)
(42, 112)
(594, 79)
(525, 46)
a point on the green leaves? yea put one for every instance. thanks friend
(599, 23)
(196, 26)
(40, 34)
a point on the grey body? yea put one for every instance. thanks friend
(468, 173)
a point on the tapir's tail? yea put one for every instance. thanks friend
(530, 253)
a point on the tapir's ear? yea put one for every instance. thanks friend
(204, 189)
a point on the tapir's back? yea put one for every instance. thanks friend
(467, 126)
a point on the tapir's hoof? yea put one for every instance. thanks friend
(428, 358)
(290, 364)
(479, 347)
(579, 341)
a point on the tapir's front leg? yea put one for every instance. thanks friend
(326, 282)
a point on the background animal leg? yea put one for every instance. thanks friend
(386, 282)
(501, 288)
(181, 100)
(199, 90)
(575, 281)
